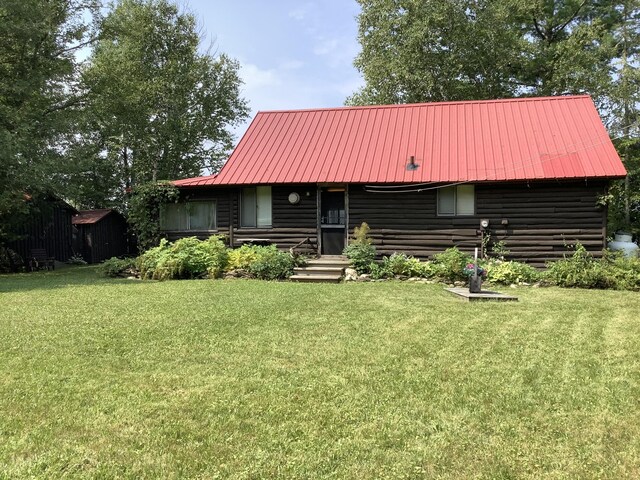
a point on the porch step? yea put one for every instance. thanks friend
(322, 269)
(319, 269)
(329, 261)
(319, 278)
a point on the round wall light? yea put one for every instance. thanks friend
(294, 198)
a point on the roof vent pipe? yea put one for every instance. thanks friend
(412, 165)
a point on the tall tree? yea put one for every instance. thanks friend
(159, 108)
(624, 102)
(426, 50)
(38, 94)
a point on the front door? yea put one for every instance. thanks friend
(333, 221)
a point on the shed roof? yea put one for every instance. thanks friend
(494, 140)
(85, 217)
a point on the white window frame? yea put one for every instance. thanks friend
(455, 201)
(257, 207)
(186, 204)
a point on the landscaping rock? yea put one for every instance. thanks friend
(350, 275)
(459, 284)
(365, 277)
(239, 273)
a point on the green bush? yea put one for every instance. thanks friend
(360, 256)
(10, 261)
(580, 270)
(185, 258)
(118, 267)
(360, 251)
(271, 264)
(449, 265)
(622, 272)
(400, 264)
(507, 273)
(241, 258)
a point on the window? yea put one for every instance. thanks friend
(196, 215)
(458, 200)
(255, 207)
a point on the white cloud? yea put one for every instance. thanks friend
(255, 77)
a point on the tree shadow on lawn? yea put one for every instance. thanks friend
(68, 275)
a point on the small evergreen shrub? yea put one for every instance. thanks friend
(119, 267)
(360, 251)
(507, 273)
(450, 264)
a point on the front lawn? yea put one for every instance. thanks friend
(250, 379)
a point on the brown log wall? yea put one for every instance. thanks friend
(541, 219)
(291, 223)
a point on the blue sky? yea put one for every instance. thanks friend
(294, 54)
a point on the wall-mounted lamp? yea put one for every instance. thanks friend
(294, 198)
(484, 223)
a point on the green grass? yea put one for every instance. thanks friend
(245, 379)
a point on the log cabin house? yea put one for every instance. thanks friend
(529, 172)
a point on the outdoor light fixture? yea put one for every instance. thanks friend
(294, 198)
(484, 223)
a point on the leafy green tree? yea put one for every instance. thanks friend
(38, 95)
(433, 50)
(624, 98)
(158, 106)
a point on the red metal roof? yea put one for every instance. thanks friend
(494, 140)
(85, 217)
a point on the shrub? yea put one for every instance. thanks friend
(580, 270)
(449, 265)
(400, 264)
(507, 273)
(185, 258)
(360, 256)
(360, 251)
(119, 267)
(272, 264)
(76, 259)
(622, 272)
(242, 258)
(10, 261)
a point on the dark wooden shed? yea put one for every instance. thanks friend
(101, 234)
(49, 227)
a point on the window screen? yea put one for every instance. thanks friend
(255, 207)
(249, 207)
(465, 196)
(173, 217)
(458, 200)
(447, 201)
(202, 215)
(188, 216)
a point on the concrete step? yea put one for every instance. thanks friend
(325, 278)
